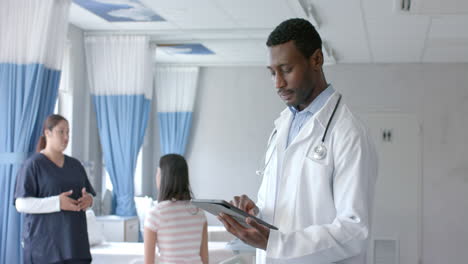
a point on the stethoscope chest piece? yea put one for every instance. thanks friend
(320, 152)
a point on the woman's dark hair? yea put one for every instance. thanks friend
(174, 178)
(49, 124)
(301, 31)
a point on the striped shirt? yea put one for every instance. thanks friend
(179, 228)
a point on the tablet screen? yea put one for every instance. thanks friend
(216, 207)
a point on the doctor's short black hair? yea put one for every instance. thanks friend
(306, 38)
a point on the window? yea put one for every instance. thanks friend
(138, 180)
(138, 177)
(64, 103)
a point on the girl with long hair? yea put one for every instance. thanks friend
(174, 225)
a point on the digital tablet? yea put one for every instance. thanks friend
(216, 207)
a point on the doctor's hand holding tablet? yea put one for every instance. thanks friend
(257, 234)
(239, 218)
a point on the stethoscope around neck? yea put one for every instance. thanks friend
(319, 152)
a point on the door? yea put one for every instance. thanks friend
(397, 205)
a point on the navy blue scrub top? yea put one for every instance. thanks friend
(57, 236)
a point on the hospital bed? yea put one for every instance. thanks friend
(133, 253)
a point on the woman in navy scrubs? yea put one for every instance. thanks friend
(53, 191)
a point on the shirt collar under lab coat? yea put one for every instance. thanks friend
(317, 103)
(323, 113)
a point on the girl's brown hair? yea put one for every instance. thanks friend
(174, 178)
(49, 124)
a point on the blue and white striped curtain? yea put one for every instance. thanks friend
(119, 70)
(176, 89)
(32, 40)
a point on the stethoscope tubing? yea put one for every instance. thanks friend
(273, 135)
(331, 118)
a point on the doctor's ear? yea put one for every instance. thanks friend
(316, 59)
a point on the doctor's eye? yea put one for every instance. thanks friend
(286, 69)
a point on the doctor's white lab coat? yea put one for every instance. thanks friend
(322, 208)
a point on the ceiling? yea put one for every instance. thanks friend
(354, 31)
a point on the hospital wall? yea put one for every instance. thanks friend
(233, 118)
(438, 95)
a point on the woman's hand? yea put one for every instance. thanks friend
(67, 203)
(85, 201)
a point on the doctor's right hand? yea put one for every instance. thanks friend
(244, 203)
(67, 203)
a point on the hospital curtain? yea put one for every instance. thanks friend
(32, 40)
(175, 94)
(119, 71)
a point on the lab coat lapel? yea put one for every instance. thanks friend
(324, 115)
(281, 126)
(321, 116)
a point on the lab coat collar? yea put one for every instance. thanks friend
(322, 116)
(317, 103)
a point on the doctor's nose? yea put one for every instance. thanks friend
(279, 81)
